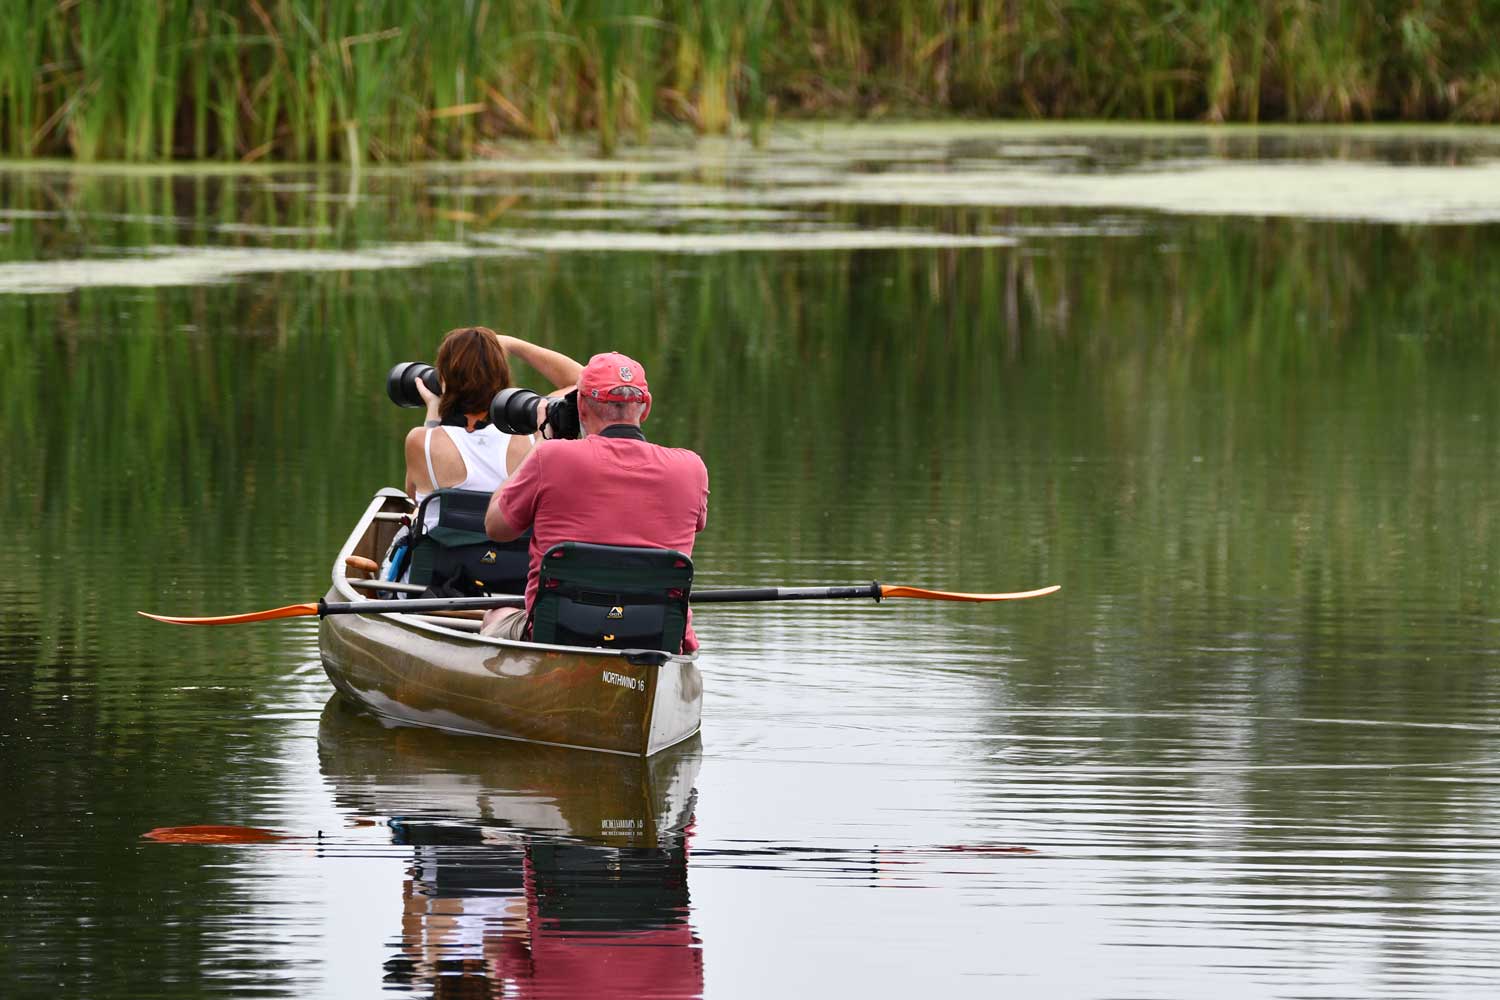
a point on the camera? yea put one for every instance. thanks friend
(401, 383)
(519, 411)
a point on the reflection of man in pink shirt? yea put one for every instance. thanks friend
(611, 487)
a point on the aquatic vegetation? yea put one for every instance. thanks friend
(400, 80)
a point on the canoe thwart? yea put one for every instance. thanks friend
(391, 585)
(359, 564)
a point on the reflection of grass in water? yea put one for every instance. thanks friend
(400, 79)
(812, 382)
(967, 418)
(961, 418)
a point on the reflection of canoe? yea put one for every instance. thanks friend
(534, 871)
(438, 673)
(419, 776)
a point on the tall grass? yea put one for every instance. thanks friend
(359, 80)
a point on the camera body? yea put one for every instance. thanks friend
(401, 383)
(519, 411)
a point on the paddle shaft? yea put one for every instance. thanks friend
(741, 595)
(875, 591)
(745, 595)
(419, 605)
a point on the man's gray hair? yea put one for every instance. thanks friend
(622, 404)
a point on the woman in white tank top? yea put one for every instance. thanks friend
(457, 447)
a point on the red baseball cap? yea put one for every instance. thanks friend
(607, 372)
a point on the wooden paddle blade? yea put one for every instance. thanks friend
(290, 611)
(943, 595)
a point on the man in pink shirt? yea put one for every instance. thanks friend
(611, 487)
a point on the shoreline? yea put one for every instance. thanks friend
(673, 150)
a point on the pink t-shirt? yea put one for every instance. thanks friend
(608, 491)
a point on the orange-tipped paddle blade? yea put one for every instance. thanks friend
(290, 611)
(943, 595)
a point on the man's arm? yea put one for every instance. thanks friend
(513, 507)
(703, 510)
(495, 524)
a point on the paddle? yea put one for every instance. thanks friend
(876, 591)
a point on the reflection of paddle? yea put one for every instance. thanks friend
(877, 591)
(225, 834)
(213, 835)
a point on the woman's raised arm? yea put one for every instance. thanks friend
(559, 369)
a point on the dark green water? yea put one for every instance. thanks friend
(1251, 749)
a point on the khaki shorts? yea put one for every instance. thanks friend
(505, 623)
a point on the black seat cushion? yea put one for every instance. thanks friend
(612, 596)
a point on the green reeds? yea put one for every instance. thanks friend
(21, 46)
(359, 80)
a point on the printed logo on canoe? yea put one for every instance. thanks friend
(634, 684)
(621, 825)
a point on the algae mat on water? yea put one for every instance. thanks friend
(815, 189)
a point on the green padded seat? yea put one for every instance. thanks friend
(456, 556)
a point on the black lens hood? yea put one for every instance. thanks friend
(401, 383)
(514, 410)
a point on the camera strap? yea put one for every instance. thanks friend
(459, 420)
(623, 431)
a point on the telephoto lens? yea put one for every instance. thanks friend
(515, 410)
(401, 383)
(519, 411)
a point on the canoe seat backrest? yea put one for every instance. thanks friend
(456, 557)
(612, 596)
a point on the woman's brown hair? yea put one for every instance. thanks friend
(473, 367)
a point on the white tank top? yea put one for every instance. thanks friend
(483, 453)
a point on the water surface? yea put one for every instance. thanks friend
(1233, 389)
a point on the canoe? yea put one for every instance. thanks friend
(438, 672)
